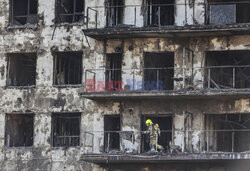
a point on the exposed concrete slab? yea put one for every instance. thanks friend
(180, 95)
(126, 158)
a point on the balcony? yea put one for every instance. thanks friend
(167, 83)
(168, 20)
(131, 146)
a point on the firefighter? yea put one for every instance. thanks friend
(153, 135)
(158, 130)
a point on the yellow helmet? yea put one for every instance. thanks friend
(149, 122)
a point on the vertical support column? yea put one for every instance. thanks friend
(209, 78)
(233, 77)
(134, 80)
(55, 70)
(96, 19)
(74, 12)
(116, 8)
(87, 22)
(233, 135)
(28, 9)
(108, 142)
(95, 81)
(2, 135)
(135, 17)
(207, 137)
(159, 16)
(2, 127)
(8, 71)
(157, 79)
(12, 11)
(69, 70)
(206, 18)
(85, 81)
(184, 67)
(185, 11)
(150, 13)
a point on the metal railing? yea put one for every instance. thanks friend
(159, 15)
(228, 77)
(66, 141)
(137, 142)
(161, 79)
(110, 79)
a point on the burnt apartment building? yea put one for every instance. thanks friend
(79, 78)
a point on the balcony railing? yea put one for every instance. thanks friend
(160, 15)
(162, 79)
(136, 142)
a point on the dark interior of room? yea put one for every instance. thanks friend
(230, 133)
(19, 130)
(68, 68)
(115, 12)
(159, 67)
(25, 11)
(22, 69)
(165, 124)
(160, 12)
(111, 137)
(113, 70)
(66, 129)
(70, 11)
(230, 74)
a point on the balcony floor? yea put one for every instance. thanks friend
(164, 158)
(168, 94)
(167, 31)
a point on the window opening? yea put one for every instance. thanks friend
(66, 129)
(19, 130)
(228, 134)
(115, 12)
(160, 12)
(227, 69)
(113, 70)
(24, 11)
(165, 125)
(159, 71)
(111, 135)
(21, 69)
(70, 11)
(68, 68)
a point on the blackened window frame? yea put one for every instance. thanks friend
(54, 116)
(8, 70)
(109, 135)
(11, 15)
(155, 10)
(58, 13)
(113, 70)
(6, 131)
(118, 11)
(55, 69)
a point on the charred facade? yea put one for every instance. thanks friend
(79, 79)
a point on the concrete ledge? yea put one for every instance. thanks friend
(168, 31)
(168, 94)
(163, 158)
